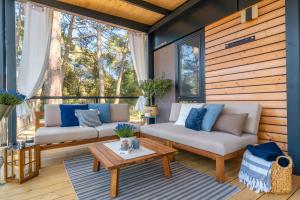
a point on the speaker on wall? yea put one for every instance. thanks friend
(249, 14)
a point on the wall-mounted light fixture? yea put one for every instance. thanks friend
(249, 14)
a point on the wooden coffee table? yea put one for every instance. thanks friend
(112, 162)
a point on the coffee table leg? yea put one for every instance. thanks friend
(114, 182)
(96, 165)
(166, 166)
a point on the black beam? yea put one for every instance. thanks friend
(293, 79)
(94, 14)
(149, 6)
(2, 45)
(11, 66)
(189, 4)
(150, 50)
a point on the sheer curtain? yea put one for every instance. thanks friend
(35, 52)
(138, 48)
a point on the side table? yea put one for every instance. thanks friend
(20, 165)
(146, 119)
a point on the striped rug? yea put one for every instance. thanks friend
(145, 181)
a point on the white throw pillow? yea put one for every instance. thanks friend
(185, 110)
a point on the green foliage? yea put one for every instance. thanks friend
(9, 99)
(162, 86)
(155, 88)
(124, 130)
(81, 76)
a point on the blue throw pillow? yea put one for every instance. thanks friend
(211, 116)
(104, 109)
(67, 113)
(194, 119)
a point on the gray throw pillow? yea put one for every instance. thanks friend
(88, 118)
(231, 123)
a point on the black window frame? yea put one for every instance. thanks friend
(201, 97)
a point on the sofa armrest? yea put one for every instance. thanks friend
(38, 117)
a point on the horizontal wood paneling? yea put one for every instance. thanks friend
(258, 43)
(212, 28)
(249, 90)
(252, 72)
(272, 136)
(274, 120)
(249, 75)
(256, 24)
(246, 53)
(247, 68)
(264, 104)
(247, 32)
(248, 82)
(248, 60)
(259, 35)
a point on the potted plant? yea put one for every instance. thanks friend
(8, 100)
(154, 88)
(126, 134)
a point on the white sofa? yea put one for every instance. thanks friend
(52, 133)
(219, 146)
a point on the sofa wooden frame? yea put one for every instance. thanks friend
(220, 160)
(43, 147)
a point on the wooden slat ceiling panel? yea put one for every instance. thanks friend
(168, 4)
(122, 9)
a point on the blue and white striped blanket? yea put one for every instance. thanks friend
(255, 173)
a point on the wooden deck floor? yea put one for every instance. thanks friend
(53, 182)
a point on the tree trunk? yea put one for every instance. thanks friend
(19, 28)
(53, 83)
(118, 87)
(100, 65)
(67, 47)
(119, 82)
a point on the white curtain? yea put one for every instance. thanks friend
(35, 52)
(138, 48)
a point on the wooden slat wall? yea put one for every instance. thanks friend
(252, 72)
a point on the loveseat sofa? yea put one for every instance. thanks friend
(219, 146)
(51, 135)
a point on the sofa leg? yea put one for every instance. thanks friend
(39, 160)
(171, 157)
(220, 169)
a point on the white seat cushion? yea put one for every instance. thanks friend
(108, 129)
(48, 135)
(216, 142)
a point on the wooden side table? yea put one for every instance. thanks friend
(20, 165)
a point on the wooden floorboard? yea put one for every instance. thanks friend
(53, 182)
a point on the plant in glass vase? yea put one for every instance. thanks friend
(154, 88)
(8, 100)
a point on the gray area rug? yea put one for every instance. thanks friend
(145, 181)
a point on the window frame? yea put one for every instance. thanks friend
(201, 96)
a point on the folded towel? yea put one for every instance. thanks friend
(267, 151)
(255, 173)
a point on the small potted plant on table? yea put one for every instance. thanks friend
(126, 134)
(154, 88)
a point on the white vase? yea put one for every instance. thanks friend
(128, 139)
